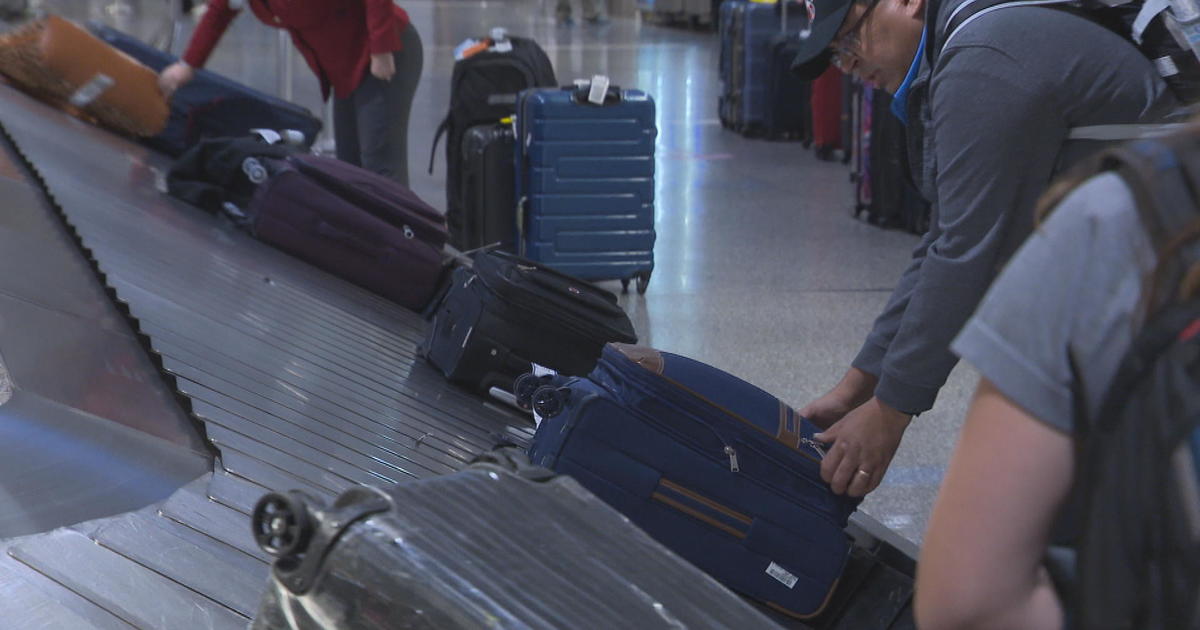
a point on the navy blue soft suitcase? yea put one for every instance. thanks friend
(585, 182)
(716, 469)
(211, 106)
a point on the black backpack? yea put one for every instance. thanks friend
(1138, 463)
(1176, 62)
(483, 90)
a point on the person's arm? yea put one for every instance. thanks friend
(383, 27)
(208, 32)
(997, 134)
(980, 565)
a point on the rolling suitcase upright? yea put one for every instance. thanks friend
(721, 472)
(788, 113)
(62, 64)
(211, 106)
(585, 182)
(499, 545)
(489, 215)
(887, 194)
(827, 114)
(743, 102)
(507, 312)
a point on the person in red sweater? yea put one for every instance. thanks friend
(365, 51)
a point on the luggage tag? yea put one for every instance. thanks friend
(91, 90)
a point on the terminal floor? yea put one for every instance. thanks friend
(761, 267)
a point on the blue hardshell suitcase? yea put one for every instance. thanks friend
(211, 106)
(585, 182)
(746, 29)
(716, 469)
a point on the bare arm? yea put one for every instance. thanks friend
(981, 563)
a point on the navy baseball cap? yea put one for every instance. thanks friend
(825, 18)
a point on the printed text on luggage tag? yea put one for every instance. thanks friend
(91, 90)
(782, 574)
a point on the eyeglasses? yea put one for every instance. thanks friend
(850, 42)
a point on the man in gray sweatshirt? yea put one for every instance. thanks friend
(987, 109)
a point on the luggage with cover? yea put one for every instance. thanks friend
(500, 544)
(716, 469)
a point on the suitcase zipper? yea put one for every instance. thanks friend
(733, 463)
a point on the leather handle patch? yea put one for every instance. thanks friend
(646, 357)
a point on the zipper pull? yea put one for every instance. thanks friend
(814, 445)
(733, 464)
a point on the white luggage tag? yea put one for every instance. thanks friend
(91, 90)
(598, 90)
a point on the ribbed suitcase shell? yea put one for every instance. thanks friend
(486, 548)
(585, 178)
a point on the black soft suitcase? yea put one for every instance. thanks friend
(508, 311)
(788, 113)
(489, 216)
(499, 545)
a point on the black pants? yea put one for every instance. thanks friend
(370, 126)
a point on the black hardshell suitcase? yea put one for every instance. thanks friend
(489, 216)
(499, 545)
(890, 199)
(508, 311)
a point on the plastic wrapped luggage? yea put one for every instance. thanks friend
(721, 472)
(498, 545)
(489, 214)
(585, 182)
(61, 63)
(211, 106)
(507, 312)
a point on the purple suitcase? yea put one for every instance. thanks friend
(355, 224)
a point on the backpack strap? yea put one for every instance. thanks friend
(437, 136)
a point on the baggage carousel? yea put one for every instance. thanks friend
(163, 370)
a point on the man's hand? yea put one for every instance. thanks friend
(864, 442)
(853, 390)
(383, 66)
(174, 77)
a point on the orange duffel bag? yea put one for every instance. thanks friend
(61, 63)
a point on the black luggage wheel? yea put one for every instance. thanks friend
(643, 283)
(281, 524)
(549, 401)
(524, 388)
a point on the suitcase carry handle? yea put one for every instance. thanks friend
(613, 95)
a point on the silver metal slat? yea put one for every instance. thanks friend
(191, 506)
(279, 458)
(34, 602)
(206, 566)
(128, 590)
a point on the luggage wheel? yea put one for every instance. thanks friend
(548, 401)
(643, 283)
(281, 524)
(524, 388)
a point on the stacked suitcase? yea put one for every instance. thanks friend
(746, 30)
(585, 181)
(488, 217)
